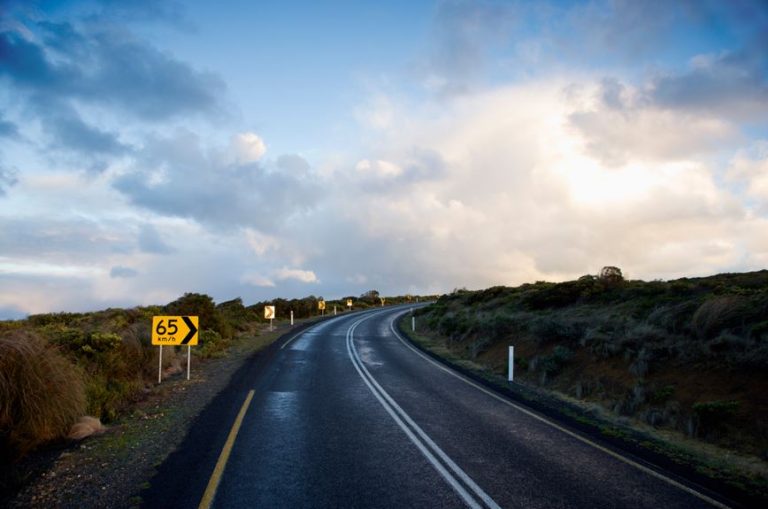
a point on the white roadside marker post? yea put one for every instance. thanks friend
(334, 310)
(291, 317)
(160, 366)
(511, 375)
(413, 324)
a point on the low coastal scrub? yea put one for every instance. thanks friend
(689, 355)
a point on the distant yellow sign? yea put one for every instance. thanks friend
(383, 300)
(321, 305)
(349, 303)
(269, 312)
(175, 330)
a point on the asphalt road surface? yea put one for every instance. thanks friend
(348, 414)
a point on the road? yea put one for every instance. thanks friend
(348, 414)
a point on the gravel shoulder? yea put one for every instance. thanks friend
(111, 469)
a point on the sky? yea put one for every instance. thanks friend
(292, 148)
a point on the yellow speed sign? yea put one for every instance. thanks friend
(175, 330)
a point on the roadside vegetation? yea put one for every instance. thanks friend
(56, 368)
(688, 358)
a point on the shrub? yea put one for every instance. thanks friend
(553, 329)
(550, 365)
(200, 305)
(710, 417)
(662, 395)
(211, 344)
(41, 392)
(717, 314)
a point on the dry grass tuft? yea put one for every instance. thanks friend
(41, 392)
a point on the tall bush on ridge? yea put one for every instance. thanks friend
(201, 305)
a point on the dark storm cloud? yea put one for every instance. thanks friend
(175, 177)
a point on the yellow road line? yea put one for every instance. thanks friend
(213, 483)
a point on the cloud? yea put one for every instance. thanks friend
(464, 33)
(7, 179)
(150, 241)
(732, 85)
(248, 148)
(749, 167)
(175, 176)
(69, 241)
(257, 280)
(379, 168)
(8, 129)
(619, 125)
(122, 272)
(304, 276)
(528, 189)
(68, 130)
(261, 243)
(105, 68)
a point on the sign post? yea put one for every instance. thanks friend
(174, 331)
(269, 314)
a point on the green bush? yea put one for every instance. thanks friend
(554, 329)
(211, 344)
(196, 304)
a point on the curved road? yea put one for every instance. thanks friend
(348, 414)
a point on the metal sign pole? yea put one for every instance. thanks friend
(189, 359)
(160, 366)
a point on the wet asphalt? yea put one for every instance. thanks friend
(348, 415)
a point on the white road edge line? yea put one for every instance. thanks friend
(394, 409)
(552, 424)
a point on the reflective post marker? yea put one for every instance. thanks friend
(291, 317)
(160, 366)
(511, 375)
(413, 324)
(334, 310)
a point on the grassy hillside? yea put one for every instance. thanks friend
(689, 355)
